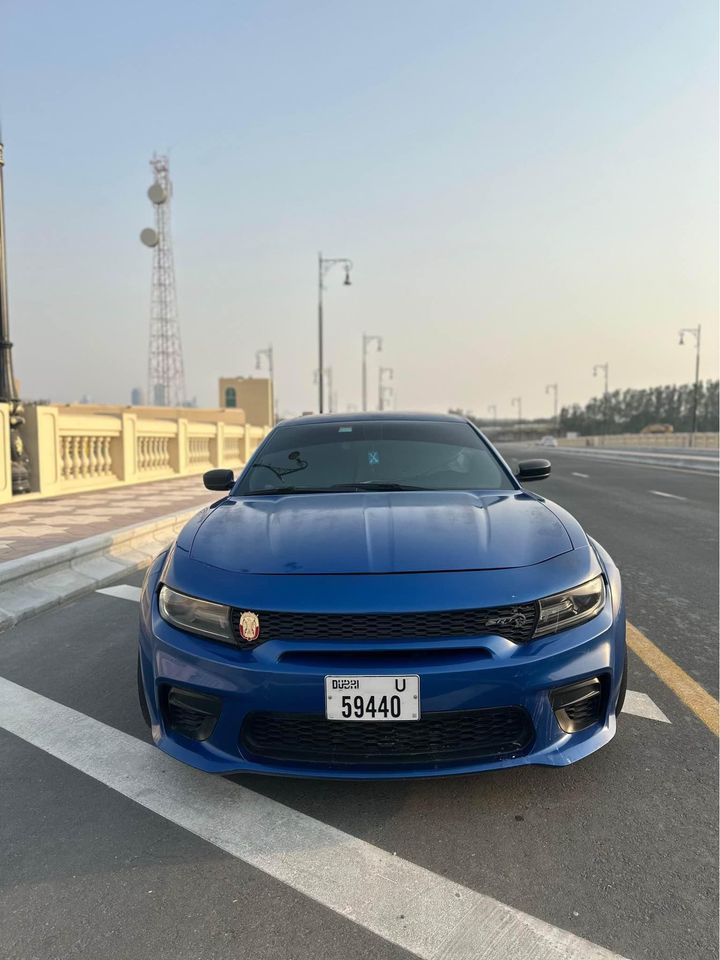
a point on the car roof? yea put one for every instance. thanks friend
(372, 415)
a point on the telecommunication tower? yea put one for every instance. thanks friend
(166, 375)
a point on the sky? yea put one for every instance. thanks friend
(526, 189)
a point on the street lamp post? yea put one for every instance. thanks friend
(327, 374)
(493, 409)
(269, 356)
(605, 367)
(517, 402)
(324, 265)
(19, 460)
(554, 388)
(383, 372)
(695, 331)
(367, 341)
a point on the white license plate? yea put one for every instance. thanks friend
(372, 698)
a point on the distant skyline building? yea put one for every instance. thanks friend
(137, 397)
(166, 373)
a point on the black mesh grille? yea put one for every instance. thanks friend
(436, 738)
(517, 623)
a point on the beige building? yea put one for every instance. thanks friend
(254, 395)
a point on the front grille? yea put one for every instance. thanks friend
(519, 625)
(490, 733)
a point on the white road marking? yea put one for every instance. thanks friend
(124, 590)
(671, 496)
(585, 476)
(640, 705)
(407, 905)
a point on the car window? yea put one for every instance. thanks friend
(430, 455)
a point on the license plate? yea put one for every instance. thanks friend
(372, 698)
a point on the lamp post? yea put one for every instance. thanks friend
(324, 265)
(695, 331)
(605, 367)
(493, 409)
(367, 341)
(268, 354)
(517, 402)
(19, 460)
(383, 372)
(328, 377)
(554, 388)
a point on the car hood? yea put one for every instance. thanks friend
(358, 533)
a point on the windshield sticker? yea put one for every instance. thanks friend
(345, 430)
(373, 456)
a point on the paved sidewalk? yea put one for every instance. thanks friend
(34, 525)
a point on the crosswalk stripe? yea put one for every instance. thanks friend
(422, 912)
(124, 591)
(640, 705)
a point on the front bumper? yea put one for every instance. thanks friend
(278, 677)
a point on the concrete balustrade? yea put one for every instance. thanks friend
(79, 447)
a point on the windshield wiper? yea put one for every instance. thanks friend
(280, 472)
(274, 491)
(375, 485)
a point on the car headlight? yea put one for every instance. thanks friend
(194, 615)
(571, 607)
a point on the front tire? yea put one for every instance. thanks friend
(623, 689)
(142, 698)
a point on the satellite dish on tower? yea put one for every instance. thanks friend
(149, 237)
(157, 194)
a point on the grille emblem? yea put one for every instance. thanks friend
(249, 626)
(514, 620)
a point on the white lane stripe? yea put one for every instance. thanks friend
(124, 590)
(640, 705)
(585, 476)
(671, 496)
(407, 905)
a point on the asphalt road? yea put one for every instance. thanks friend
(619, 849)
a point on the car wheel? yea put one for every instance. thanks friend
(141, 697)
(623, 689)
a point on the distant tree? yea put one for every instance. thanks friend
(628, 411)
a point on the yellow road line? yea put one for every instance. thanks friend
(702, 704)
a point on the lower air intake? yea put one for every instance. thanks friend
(488, 734)
(192, 714)
(578, 705)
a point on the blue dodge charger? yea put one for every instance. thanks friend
(378, 595)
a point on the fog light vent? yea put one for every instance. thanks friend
(579, 705)
(192, 714)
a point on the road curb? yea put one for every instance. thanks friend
(46, 579)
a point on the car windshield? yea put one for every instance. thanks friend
(373, 455)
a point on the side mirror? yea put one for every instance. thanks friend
(533, 470)
(219, 479)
